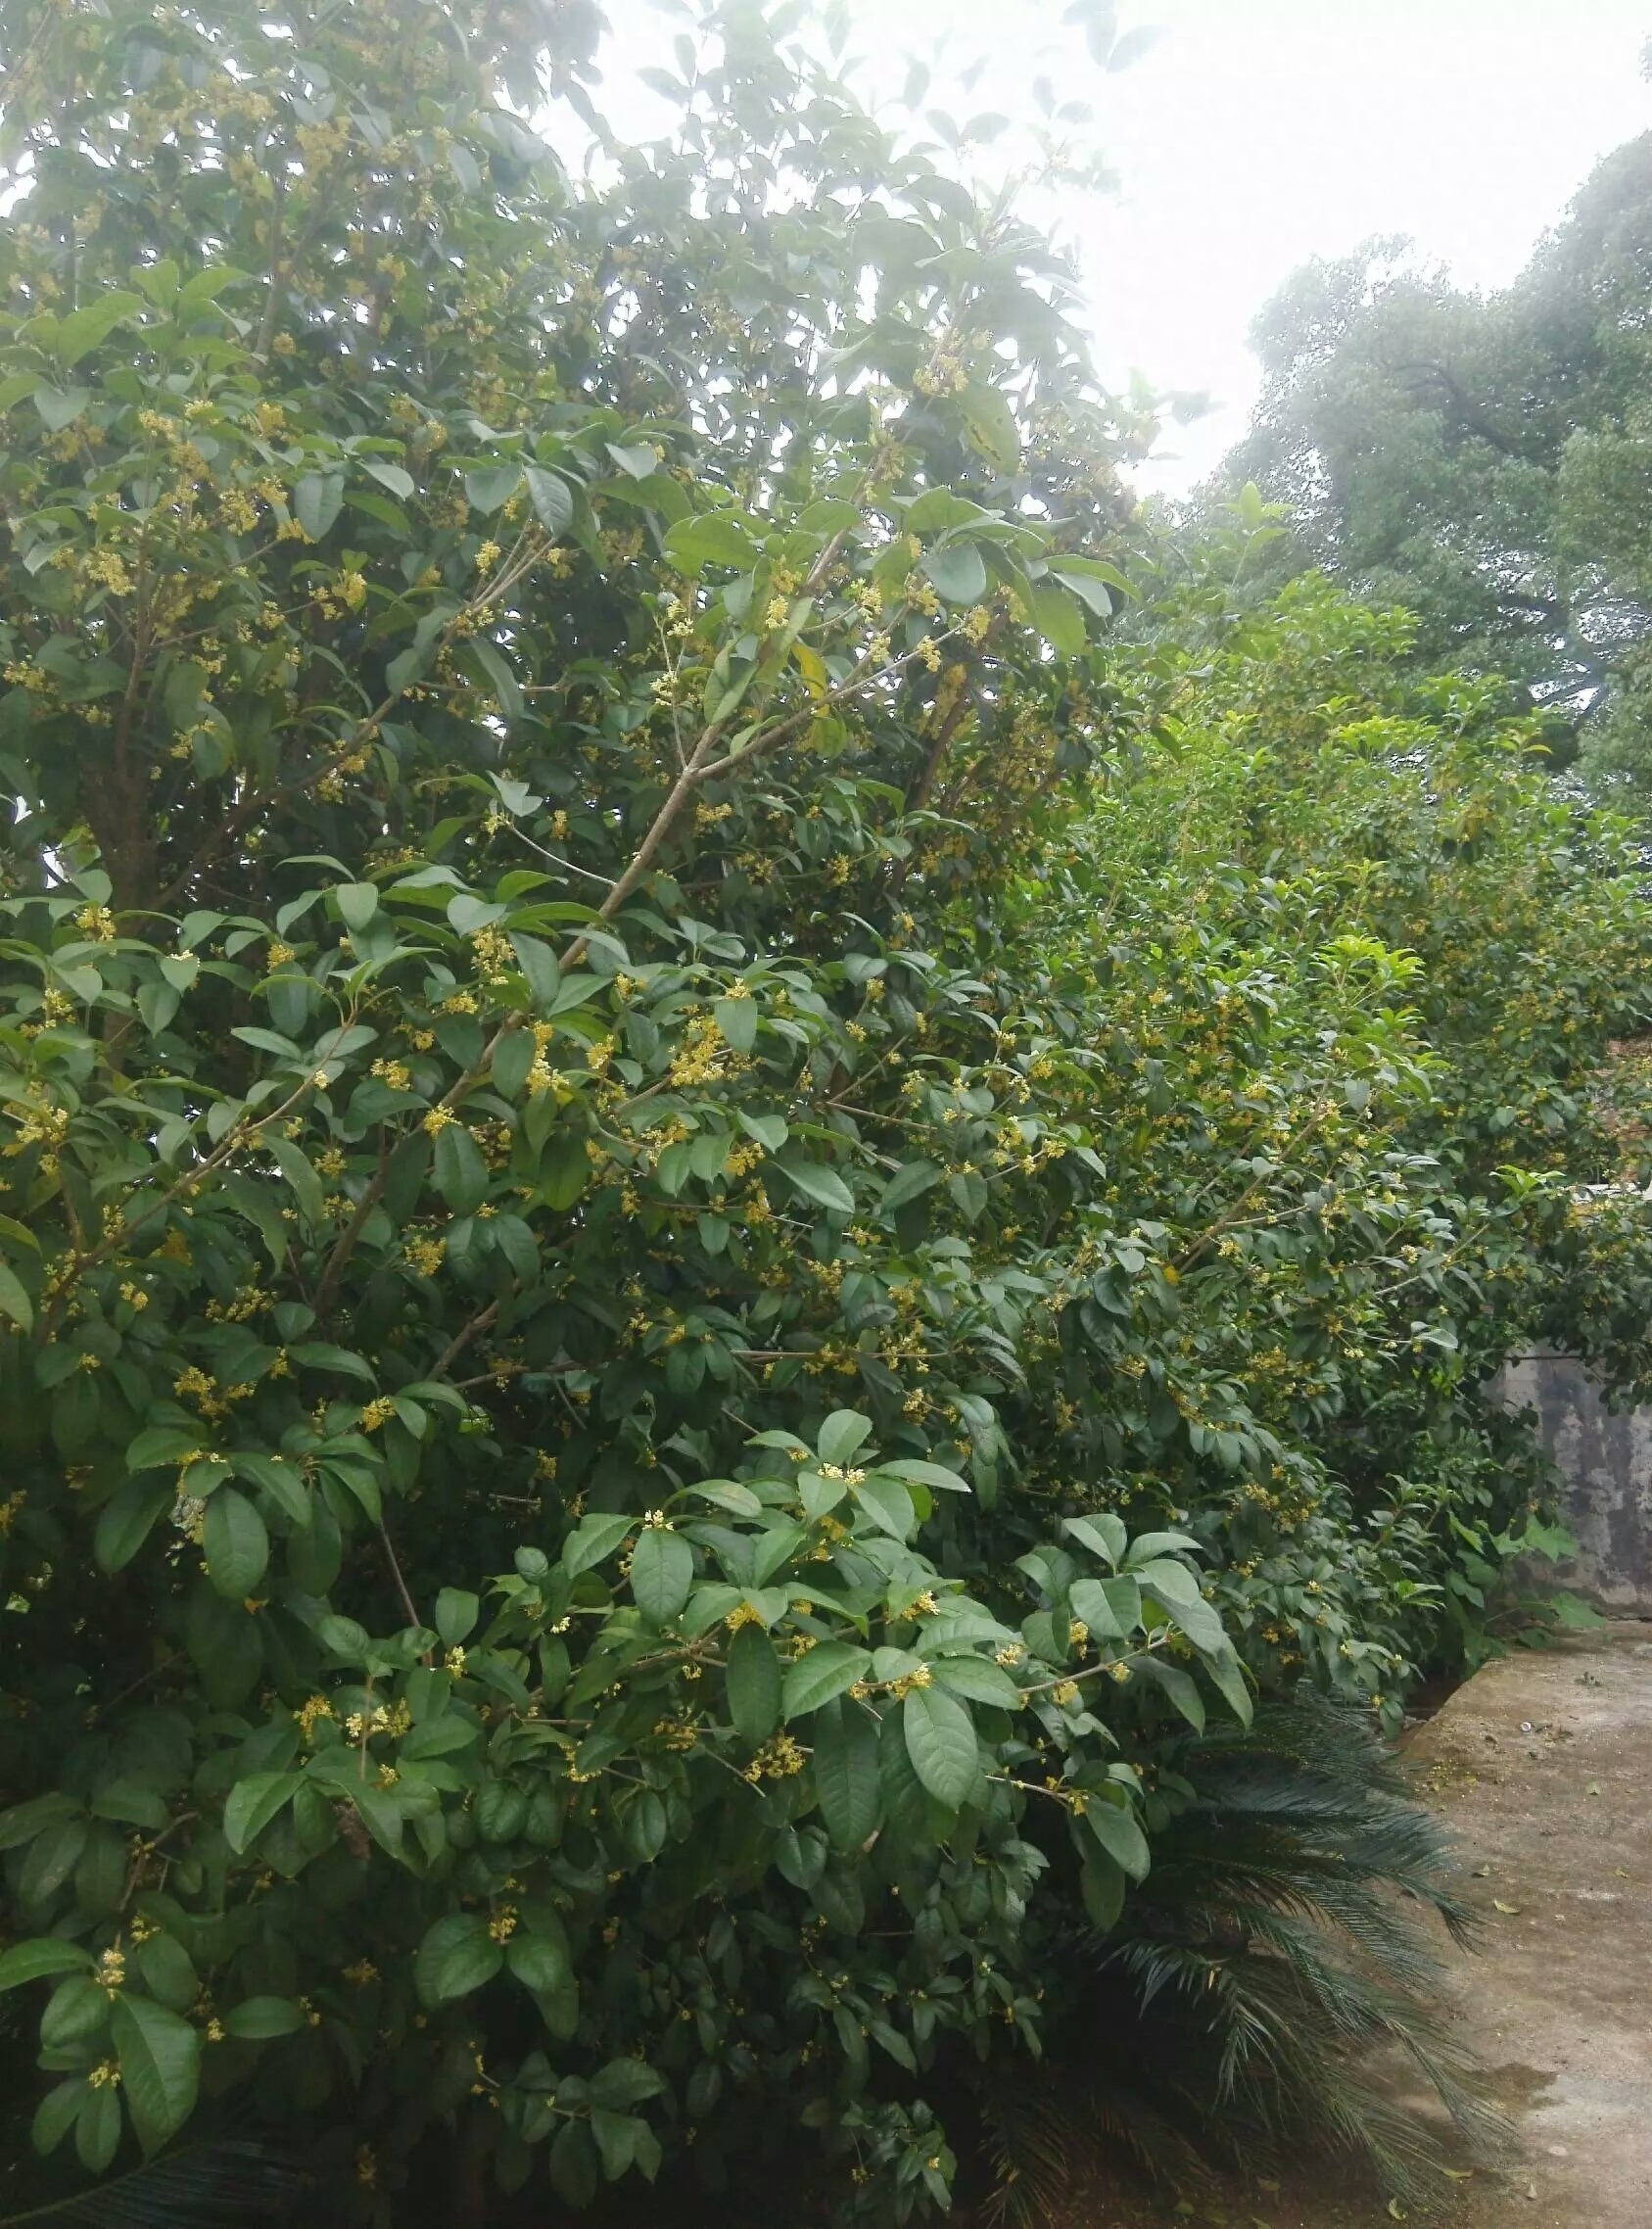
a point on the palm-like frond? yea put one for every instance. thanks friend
(230, 2179)
(1266, 1979)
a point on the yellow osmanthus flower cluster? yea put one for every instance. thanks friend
(779, 1759)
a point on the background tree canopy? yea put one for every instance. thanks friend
(1484, 459)
(717, 1233)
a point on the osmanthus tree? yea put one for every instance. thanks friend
(1368, 1046)
(507, 1630)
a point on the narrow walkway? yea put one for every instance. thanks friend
(1541, 1766)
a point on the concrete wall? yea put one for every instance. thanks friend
(1606, 1462)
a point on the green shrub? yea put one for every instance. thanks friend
(676, 1303)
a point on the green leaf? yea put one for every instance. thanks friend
(1104, 1534)
(938, 1475)
(456, 1957)
(823, 1186)
(538, 967)
(888, 1503)
(990, 424)
(751, 1675)
(714, 538)
(300, 1175)
(908, 1183)
(538, 1960)
(254, 1802)
(616, 2135)
(595, 1540)
(828, 1669)
(958, 572)
(1176, 1590)
(736, 1021)
(317, 499)
(490, 486)
(551, 499)
(1101, 1885)
(440, 1736)
(1090, 591)
(1116, 1829)
(979, 1679)
(1181, 1688)
(564, 1173)
(1057, 618)
(843, 1432)
(844, 1738)
(236, 1544)
(159, 2059)
(57, 2114)
(39, 1958)
(256, 2019)
(662, 1571)
(1148, 1547)
(623, 2083)
(1091, 1601)
(321, 1354)
(639, 460)
(61, 407)
(457, 1613)
(168, 1972)
(21, 1822)
(1227, 1676)
(128, 1519)
(83, 329)
(939, 508)
(284, 1483)
(572, 2165)
(358, 903)
(14, 1300)
(940, 1740)
(97, 2131)
(768, 1130)
(461, 1173)
(391, 476)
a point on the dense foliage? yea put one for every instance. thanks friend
(705, 1221)
(1484, 459)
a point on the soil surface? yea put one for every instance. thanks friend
(1541, 1765)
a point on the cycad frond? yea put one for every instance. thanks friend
(204, 2186)
(1267, 1976)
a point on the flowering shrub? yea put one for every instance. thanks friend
(670, 1297)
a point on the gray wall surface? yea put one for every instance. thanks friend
(1606, 1462)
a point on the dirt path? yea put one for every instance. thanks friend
(1543, 1766)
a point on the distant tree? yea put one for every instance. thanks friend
(1486, 459)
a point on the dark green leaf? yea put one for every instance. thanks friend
(456, 1957)
(159, 2057)
(662, 1571)
(940, 1739)
(844, 1739)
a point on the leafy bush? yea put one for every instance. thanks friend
(1263, 1987)
(647, 1244)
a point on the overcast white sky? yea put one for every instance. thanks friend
(1259, 132)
